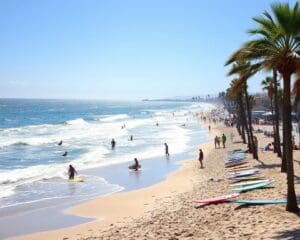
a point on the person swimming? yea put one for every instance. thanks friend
(72, 171)
(60, 143)
(65, 154)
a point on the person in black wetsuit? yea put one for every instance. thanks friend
(65, 154)
(72, 171)
(167, 149)
(136, 164)
(113, 143)
(60, 143)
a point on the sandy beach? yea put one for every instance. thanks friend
(167, 210)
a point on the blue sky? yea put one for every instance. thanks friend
(125, 49)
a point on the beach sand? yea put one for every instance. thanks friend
(166, 210)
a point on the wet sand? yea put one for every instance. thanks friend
(166, 210)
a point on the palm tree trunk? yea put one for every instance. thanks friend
(244, 122)
(274, 128)
(277, 133)
(251, 140)
(287, 123)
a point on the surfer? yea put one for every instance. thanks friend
(72, 171)
(113, 143)
(131, 138)
(60, 143)
(167, 149)
(136, 165)
(201, 156)
(65, 154)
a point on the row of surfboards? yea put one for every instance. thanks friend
(243, 178)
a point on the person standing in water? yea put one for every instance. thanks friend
(113, 143)
(72, 171)
(167, 150)
(136, 164)
(201, 156)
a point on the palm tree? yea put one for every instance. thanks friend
(236, 92)
(245, 70)
(277, 47)
(276, 108)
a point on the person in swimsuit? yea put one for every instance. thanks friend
(167, 149)
(72, 171)
(201, 156)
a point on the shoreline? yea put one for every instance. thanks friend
(134, 202)
(167, 210)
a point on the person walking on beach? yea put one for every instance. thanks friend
(167, 149)
(223, 140)
(113, 143)
(216, 141)
(201, 158)
(209, 128)
(72, 171)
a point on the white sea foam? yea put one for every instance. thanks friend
(112, 118)
(77, 121)
(94, 137)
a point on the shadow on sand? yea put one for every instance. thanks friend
(266, 166)
(289, 234)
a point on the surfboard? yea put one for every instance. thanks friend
(245, 183)
(77, 179)
(219, 198)
(253, 186)
(244, 172)
(233, 170)
(235, 164)
(243, 175)
(259, 202)
(239, 179)
(228, 161)
(133, 167)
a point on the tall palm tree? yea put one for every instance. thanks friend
(236, 91)
(276, 108)
(245, 70)
(277, 46)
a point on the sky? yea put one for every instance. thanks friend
(121, 49)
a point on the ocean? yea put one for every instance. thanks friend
(32, 168)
